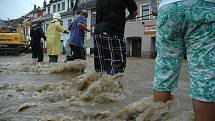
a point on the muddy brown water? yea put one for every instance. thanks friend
(138, 79)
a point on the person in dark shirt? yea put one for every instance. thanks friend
(36, 44)
(109, 44)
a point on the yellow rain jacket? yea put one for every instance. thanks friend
(53, 35)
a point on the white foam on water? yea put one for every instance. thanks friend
(147, 110)
(44, 67)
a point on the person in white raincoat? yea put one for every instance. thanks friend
(53, 35)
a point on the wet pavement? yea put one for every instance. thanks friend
(16, 90)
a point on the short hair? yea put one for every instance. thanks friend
(39, 22)
(84, 13)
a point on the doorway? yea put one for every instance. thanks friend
(135, 43)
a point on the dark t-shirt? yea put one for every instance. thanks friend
(110, 15)
(37, 33)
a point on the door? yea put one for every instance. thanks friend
(136, 47)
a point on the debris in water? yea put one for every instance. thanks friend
(92, 115)
(25, 106)
(4, 86)
(59, 118)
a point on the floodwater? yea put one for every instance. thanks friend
(40, 96)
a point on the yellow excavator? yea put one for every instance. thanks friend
(13, 40)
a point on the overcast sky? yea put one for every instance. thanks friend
(13, 9)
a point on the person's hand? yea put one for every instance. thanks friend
(66, 32)
(154, 13)
(89, 30)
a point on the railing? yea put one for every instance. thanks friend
(141, 18)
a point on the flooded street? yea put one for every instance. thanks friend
(40, 96)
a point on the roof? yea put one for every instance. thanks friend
(53, 1)
(69, 12)
(86, 5)
(47, 17)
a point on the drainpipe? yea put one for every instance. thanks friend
(68, 4)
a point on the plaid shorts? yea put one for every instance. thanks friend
(186, 27)
(109, 53)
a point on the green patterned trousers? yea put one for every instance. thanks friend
(186, 27)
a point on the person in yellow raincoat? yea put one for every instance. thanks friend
(53, 35)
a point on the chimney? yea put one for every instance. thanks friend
(35, 7)
(44, 4)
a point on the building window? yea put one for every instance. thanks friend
(61, 23)
(54, 8)
(81, 1)
(58, 7)
(145, 12)
(47, 25)
(63, 5)
(69, 22)
(93, 17)
(49, 10)
(72, 3)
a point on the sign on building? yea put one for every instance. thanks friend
(149, 29)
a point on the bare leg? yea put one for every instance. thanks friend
(162, 96)
(204, 111)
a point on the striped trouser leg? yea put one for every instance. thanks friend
(110, 53)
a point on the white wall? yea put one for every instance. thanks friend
(65, 19)
(89, 24)
(136, 29)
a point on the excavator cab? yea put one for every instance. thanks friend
(13, 39)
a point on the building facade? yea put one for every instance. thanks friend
(45, 13)
(139, 32)
(65, 8)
